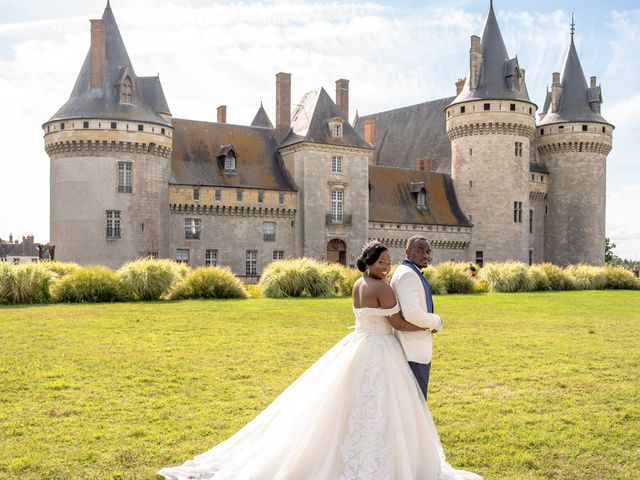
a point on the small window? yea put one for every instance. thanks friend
(585, 128)
(479, 258)
(471, 152)
(85, 124)
(281, 198)
(240, 195)
(218, 195)
(260, 197)
(530, 257)
(192, 228)
(269, 231)
(448, 113)
(604, 130)
(530, 221)
(113, 224)
(140, 127)
(114, 125)
(530, 110)
(336, 164)
(152, 254)
(278, 254)
(230, 162)
(182, 255)
(542, 178)
(126, 91)
(62, 126)
(337, 130)
(561, 128)
(251, 262)
(162, 131)
(542, 131)
(517, 212)
(487, 106)
(518, 149)
(421, 200)
(462, 109)
(512, 107)
(533, 177)
(125, 177)
(211, 258)
(196, 194)
(546, 209)
(470, 183)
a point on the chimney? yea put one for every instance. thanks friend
(11, 238)
(370, 131)
(283, 105)
(460, 85)
(97, 52)
(555, 92)
(475, 60)
(342, 97)
(423, 164)
(222, 114)
(593, 81)
(30, 239)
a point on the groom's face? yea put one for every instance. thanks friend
(420, 253)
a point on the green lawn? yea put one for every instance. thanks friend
(523, 386)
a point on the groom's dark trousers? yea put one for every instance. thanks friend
(421, 372)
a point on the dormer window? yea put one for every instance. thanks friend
(335, 125)
(227, 158)
(126, 90)
(421, 200)
(230, 162)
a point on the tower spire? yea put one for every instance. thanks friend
(573, 26)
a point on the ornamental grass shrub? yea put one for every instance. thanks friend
(620, 278)
(299, 277)
(539, 279)
(506, 277)
(25, 283)
(91, 284)
(209, 282)
(558, 278)
(60, 269)
(587, 277)
(150, 278)
(438, 287)
(455, 277)
(342, 278)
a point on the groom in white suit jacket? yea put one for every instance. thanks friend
(414, 296)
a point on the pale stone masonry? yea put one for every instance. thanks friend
(473, 173)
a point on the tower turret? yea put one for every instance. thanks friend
(109, 147)
(490, 125)
(573, 141)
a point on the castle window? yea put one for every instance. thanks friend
(113, 224)
(421, 200)
(125, 177)
(230, 161)
(512, 107)
(337, 130)
(162, 131)
(210, 258)
(152, 254)
(114, 125)
(218, 195)
(269, 231)
(530, 257)
(546, 209)
(126, 90)
(517, 212)
(518, 149)
(584, 128)
(604, 130)
(251, 263)
(479, 258)
(561, 128)
(281, 198)
(260, 197)
(530, 221)
(62, 126)
(182, 255)
(542, 131)
(336, 164)
(337, 203)
(85, 124)
(192, 228)
(470, 183)
(487, 106)
(239, 195)
(462, 109)
(278, 254)
(541, 178)
(196, 194)
(530, 111)
(140, 127)
(533, 177)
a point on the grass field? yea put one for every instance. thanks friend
(523, 386)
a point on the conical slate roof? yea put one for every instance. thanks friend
(309, 123)
(497, 76)
(148, 97)
(261, 119)
(576, 96)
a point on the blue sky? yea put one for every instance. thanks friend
(394, 53)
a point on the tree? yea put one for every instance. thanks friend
(608, 250)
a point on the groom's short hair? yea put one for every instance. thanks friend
(414, 239)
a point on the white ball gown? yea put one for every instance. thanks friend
(355, 414)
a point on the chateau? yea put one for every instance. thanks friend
(475, 173)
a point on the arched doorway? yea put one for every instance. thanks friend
(337, 251)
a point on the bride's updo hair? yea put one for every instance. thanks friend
(370, 254)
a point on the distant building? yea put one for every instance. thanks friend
(473, 173)
(16, 252)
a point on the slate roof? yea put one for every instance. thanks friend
(22, 249)
(575, 97)
(393, 199)
(495, 77)
(407, 134)
(84, 102)
(197, 146)
(261, 119)
(309, 123)
(4, 249)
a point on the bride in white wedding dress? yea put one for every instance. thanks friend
(355, 414)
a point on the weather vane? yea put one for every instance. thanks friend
(573, 25)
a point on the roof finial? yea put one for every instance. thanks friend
(573, 26)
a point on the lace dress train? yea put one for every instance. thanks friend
(357, 413)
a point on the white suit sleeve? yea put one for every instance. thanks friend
(408, 293)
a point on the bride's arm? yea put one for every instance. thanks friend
(387, 299)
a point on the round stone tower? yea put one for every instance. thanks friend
(491, 124)
(573, 141)
(109, 148)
